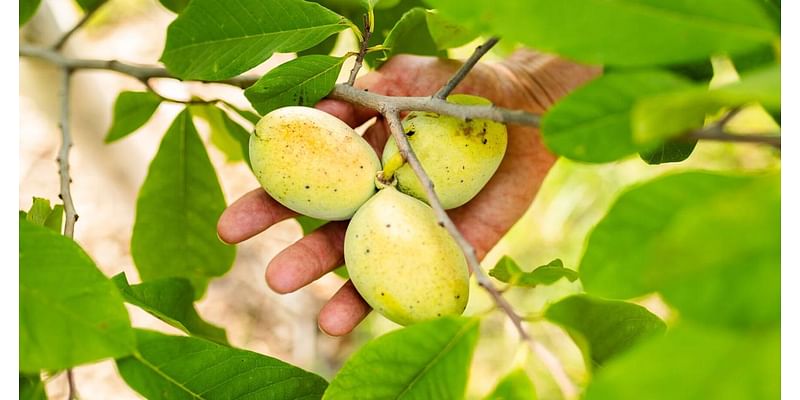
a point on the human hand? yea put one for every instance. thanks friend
(527, 81)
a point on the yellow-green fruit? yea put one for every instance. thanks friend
(313, 163)
(459, 156)
(402, 262)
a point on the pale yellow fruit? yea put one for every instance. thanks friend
(313, 163)
(459, 156)
(402, 262)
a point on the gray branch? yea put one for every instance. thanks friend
(462, 72)
(63, 157)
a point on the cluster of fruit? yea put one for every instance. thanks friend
(402, 262)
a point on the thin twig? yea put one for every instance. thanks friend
(65, 37)
(466, 67)
(66, 195)
(716, 132)
(392, 116)
(362, 51)
(718, 135)
(63, 157)
(73, 392)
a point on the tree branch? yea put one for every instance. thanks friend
(392, 116)
(430, 104)
(465, 68)
(340, 92)
(140, 72)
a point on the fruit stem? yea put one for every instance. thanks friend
(392, 166)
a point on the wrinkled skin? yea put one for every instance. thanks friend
(526, 81)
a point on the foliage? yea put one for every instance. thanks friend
(706, 244)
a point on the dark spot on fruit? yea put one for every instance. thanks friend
(388, 225)
(458, 296)
(484, 141)
(441, 224)
(367, 252)
(410, 133)
(438, 314)
(308, 187)
(462, 181)
(361, 166)
(381, 293)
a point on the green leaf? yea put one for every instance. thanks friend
(710, 243)
(621, 32)
(31, 387)
(309, 224)
(246, 114)
(429, 360)
(386, 16)
(603, 329)
(69, 312)
(41, 214)
(323, 48)
(445, 33)
(131, 111)
(90, 5)
(213, 40)
(300, 82)
(507, 270)
(233, 143)
(670, 151)
(667, 115)
(175, 6)
(26, 10)
(690, 363)
(514, 386)
(176, 367)
(593, 123)
(170, 300)
(175, 233)
(410, 35)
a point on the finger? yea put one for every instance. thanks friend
(343, 312)
(308, 259)
(250, 215)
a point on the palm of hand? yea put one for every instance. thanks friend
(482, 221)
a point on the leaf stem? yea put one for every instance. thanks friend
(65, 37)
(363, 44)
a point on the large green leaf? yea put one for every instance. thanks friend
(621, 32)
(447, 34)
(514, 386)
(593, 123)
(691, 363)
(710, 243)
(429, 360)
(507, 270)
(214, 40)
(175, 367)
(604, 328)
(410, 35)
(131, 111)
(300, 82)
(170, 300)
(175, 232)
(666, 115)
(69, 312)
(31, 387)
(234, 143)
(26, 10)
